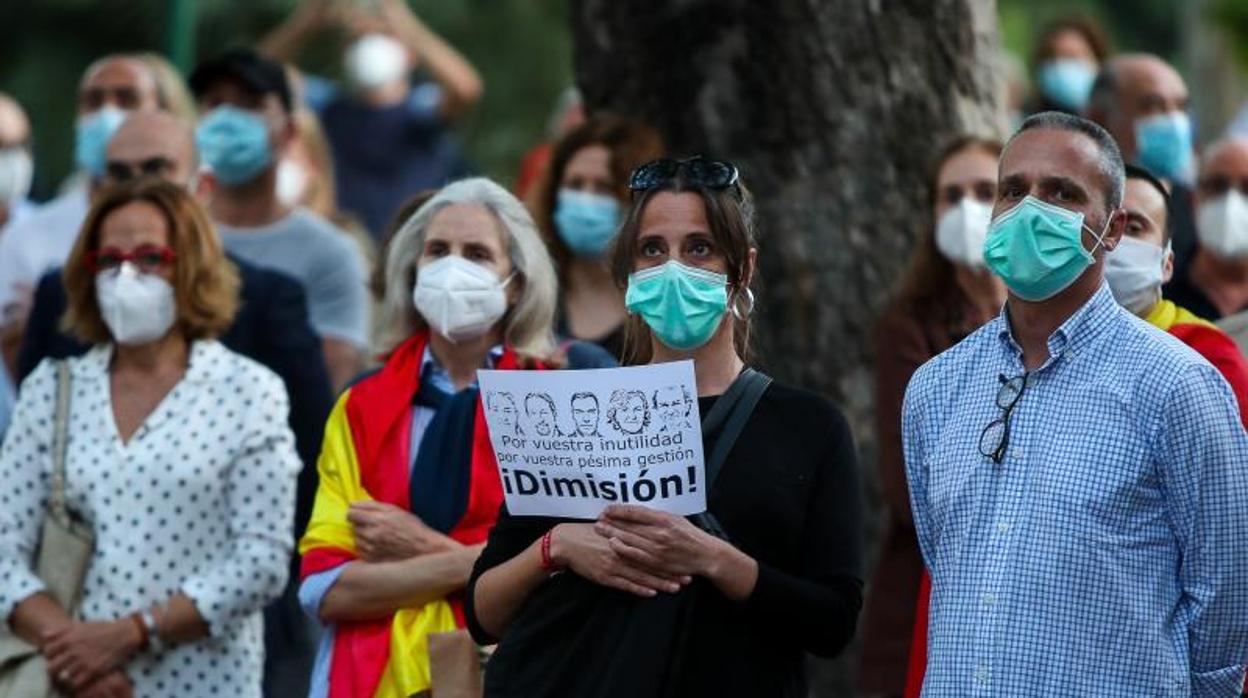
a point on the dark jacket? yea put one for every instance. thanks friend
(271, 327)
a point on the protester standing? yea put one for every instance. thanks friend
(390, 137)
(178, 458)
(270, 327)
(578, 207)
(1076, 475)
(1141, 266)
(1067, 56)
(111, 88)
(945, 294)
(1215, 284)
(647, 603)
(409, 483)
(1143, 102)
(246, 128)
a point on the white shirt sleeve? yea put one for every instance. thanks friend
(25, 462)
(260, 494)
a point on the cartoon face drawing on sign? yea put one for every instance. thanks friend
(540, 410)
(628, 412)
(585, 414)
(502, 407)
(672, 404)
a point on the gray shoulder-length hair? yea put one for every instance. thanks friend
(528, 324)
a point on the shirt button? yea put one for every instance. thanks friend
(989, 599)
(1003, 527)
(981, 675)
(1018, 454)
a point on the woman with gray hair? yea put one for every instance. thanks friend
(409, 487)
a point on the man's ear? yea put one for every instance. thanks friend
(1167, 266)
(1116, 229)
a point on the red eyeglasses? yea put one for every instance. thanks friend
(148, 258)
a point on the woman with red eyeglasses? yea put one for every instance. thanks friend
(178, 459)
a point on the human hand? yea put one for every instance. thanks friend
(664, 542)
(321, 13)
(82, 652)
(112, 685)
(395, 11)
(17, 310)
(580, 548)
(386, 532)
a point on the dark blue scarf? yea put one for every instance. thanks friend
(440, 477)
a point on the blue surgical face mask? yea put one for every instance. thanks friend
(586, 222)
(1163, 144)
(234, 142)
(91, 135)
(682, 305)
(1037, 248)
(1066, 82)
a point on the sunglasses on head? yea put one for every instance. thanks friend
(148, 258)
(697, 171)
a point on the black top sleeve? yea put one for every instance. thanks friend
(510, 536)
(288, 345)
(818, 605)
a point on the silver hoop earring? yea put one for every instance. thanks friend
(736, 312)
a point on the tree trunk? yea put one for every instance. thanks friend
(834, 111)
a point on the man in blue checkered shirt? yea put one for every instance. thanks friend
(1079, 479)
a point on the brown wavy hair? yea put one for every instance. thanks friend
(205, 283)
(631, 143)
(929, 286)
(1082, 25)
(730, 215)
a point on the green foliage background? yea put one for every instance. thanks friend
(521, 47)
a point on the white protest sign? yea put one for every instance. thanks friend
(571, 443)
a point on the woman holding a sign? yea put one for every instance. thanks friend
(725, 603)
(409, 487)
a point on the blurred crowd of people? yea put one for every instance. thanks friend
(256, 312)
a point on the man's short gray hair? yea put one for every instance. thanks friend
(529, 322)
(1109, 161)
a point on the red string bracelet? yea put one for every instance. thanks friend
(548, 564)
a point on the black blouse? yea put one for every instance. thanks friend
(788, 496)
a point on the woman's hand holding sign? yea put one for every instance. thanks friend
(671, 546)
(581, 549)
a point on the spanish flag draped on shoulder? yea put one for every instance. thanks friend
(1210, 342)
(366, 456)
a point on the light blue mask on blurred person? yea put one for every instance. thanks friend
(682, 305)
(586, 222)
(1037, 248)
(1067, 82)
(234, 142)
(1164, 144)
(91, 135)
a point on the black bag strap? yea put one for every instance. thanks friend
(732, 410)
(742, 397)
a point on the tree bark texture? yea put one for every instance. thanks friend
(834, 111)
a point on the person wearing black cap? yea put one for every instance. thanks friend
(246, 105)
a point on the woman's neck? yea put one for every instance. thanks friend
(590, 276)
(715, 364)
(985, 294)
(461, 360)
(170, 352)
